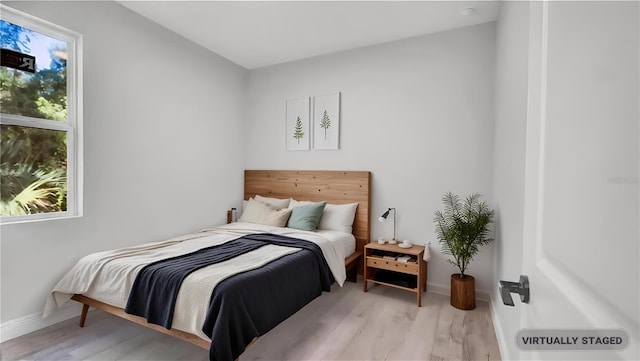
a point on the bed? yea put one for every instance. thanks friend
(262, 273)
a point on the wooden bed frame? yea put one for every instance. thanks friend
(337, 187)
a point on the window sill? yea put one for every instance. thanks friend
(9, 220)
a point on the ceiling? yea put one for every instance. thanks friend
(255, 34)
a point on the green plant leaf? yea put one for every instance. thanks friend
(462, 228)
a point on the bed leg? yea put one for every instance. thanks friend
(351, 264)
(352, 274)
(83, 316)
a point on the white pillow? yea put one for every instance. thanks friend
(244, 205)
(275, 203)
(252, 210)
(276, 218)
(293, 203)
(338, 217)
(258, 212)
(335, 217)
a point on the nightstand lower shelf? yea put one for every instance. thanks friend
(396, 286)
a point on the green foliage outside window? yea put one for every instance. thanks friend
(33, 161)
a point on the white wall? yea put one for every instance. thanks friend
(163, 147)
(509, 160)
(417, 113)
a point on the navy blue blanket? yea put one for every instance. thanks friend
(243, 306)
(155, 289)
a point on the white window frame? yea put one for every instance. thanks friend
(73, 125)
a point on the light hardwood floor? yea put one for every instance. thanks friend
(345, 324)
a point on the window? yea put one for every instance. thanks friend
(40, 120)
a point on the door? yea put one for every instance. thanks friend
(581, 216)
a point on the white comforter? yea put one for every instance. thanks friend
(108, 276)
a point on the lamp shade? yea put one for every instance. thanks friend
(384, 216)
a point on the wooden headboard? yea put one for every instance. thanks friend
(335, 187)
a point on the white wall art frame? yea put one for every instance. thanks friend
(326, 122)
(298, 132)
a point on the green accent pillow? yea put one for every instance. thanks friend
(306, 217)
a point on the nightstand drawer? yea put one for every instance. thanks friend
(390, 265)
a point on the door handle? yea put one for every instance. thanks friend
(521, 288)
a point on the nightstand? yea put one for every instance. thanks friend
(381, 266)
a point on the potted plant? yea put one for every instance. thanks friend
(462, 228)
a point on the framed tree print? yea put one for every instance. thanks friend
(326, 121)
(298, 132)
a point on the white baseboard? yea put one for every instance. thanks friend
(441, 290)
(444, 290)
(497, 327)
(27, 324)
